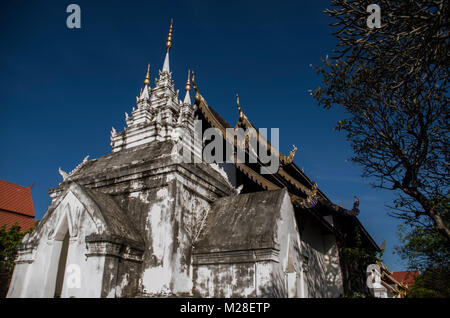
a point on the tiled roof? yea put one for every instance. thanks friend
(9, 219)
(406, 277)
(15, 198)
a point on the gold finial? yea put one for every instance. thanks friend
(169, 37)
(147, 77)
(188, 83)
(193, 80)
(241, 113)
(194, 85)
(292, 153)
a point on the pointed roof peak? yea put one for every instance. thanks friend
(147, 77)
(187, 98)
(169, 37)
(166, 65)
(188, 82)
(144, 93)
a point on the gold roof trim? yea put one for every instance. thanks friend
(312, 195)
(198, 97)
(253, 175)
(293, 181)
(256, 177)
(243, 119)
(398, 288)
(290, 158)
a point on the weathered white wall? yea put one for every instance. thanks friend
(168, 207)
(225, 280)
(254, 273)
(38, 278)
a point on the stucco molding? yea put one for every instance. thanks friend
(112, 249)
(26, 254)
(233, 257)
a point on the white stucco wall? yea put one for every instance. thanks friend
(38, 278)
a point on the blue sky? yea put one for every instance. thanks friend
(61, 90)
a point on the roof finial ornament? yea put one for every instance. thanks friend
(355, 210)
(292, 154)
(63, 174)
(169, 37)
(193, 81)
(166, 67)
(194, 85)
(187, 98)
(147, 77)
(241, 113)
(188, 83)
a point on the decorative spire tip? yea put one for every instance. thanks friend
(147, 77)
(169, 37)
(188, 83)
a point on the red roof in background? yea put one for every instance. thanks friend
(406, 277)
(9, 219)
(15, 198)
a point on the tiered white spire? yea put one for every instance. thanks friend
(159, 112)
(145, 93)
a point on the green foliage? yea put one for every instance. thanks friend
(423, 247)
(9, 241)
(427, 250)
(359, 254)
(433, 283)
(355, 260)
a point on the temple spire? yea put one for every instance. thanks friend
(166, 67)
(145, 93)
(187, 98)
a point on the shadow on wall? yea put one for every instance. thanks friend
(275, 289)
(321, 262)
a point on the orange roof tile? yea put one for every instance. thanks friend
(406, 277)
(16, 198)
(9, 219)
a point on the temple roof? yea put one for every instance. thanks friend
(122, 159)
(118, 225)
(304, 193)
(241, 222)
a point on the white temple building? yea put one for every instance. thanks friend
(141, 222)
